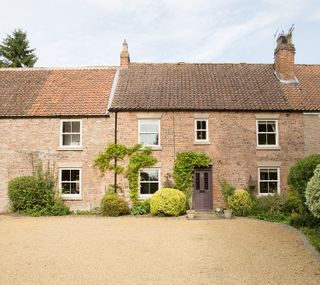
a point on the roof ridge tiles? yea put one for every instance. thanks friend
(57, 68)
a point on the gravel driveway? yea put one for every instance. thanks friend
(128, 250)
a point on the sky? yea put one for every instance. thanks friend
(71, 33)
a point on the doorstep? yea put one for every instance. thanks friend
(206, 215)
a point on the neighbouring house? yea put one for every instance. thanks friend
(253, 120)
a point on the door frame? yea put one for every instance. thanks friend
(209, 169)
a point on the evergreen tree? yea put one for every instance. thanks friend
(15, 51)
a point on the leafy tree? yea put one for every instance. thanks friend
(15, 51)
(313, 193)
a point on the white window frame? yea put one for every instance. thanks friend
(196, 129)
(276, 133)
(61, 134)
(159, 131)
(70, 196)
(145, 196)
(278, 175)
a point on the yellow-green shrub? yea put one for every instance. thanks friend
(240, 202)
(168, 202)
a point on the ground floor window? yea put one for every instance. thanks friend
(269, 181)
(149, 181)
(70, 182)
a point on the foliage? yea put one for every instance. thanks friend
(293, 203)
(15, 51)
(305, 219)
(276, 216)
(227, 190)
(183, 168)
(301, 172)
(240, 202)
(138, 158)
(114, 206)
(168, 202)
(268, 204)
(34, 195)
(140, 208)
(313, 193)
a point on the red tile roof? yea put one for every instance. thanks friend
(215, 87)
(55, 91)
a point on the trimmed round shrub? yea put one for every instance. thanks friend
(313, 194)
(25, 194)
(240, 202)
(168, 202)
(301, 172)
(114, 206)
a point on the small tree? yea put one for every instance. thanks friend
(313, 193)
(15, 51)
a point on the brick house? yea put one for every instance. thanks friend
(253, 120)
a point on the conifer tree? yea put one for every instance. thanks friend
(15, 51)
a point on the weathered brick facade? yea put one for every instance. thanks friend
(232, 146)
(40, 136)
(312, 133)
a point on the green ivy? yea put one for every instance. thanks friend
(183, 168)
(138, 158)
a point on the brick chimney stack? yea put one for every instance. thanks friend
(124, 55)
(284, 57)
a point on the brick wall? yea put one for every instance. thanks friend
(233, 144)
(21, 137)
(312, 133)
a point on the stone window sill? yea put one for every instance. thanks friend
(62, 148)
(69, 198)
(201, 143)
(268, 148)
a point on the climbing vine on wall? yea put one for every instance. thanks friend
(139, 157)
(183, 168)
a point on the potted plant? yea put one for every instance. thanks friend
(227, 191)
(191, 214)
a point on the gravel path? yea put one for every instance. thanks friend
(166, 251)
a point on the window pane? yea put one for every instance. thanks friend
(262, 127)
(74, 188)
(149, 139)
(264, 174)
(153, 187)
(263, 187)
(66, 139)
(204, 125)
(201, 135)
(271, 126)
(271, 139)
(144, 188)
(153, 175)
(76, 127)
(66, 127)
(144, 176)
(65, 175)
(197, 181)
(65, 188)
(273, 187)
(273, 174)
(75, 139)
(206, 181)
(149, 126)
(75, 175)
(198, 125)
(262, 139)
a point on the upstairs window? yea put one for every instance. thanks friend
(71, 133)
(201, 130)
(149, 132)
(268, 181)
(267, 133)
